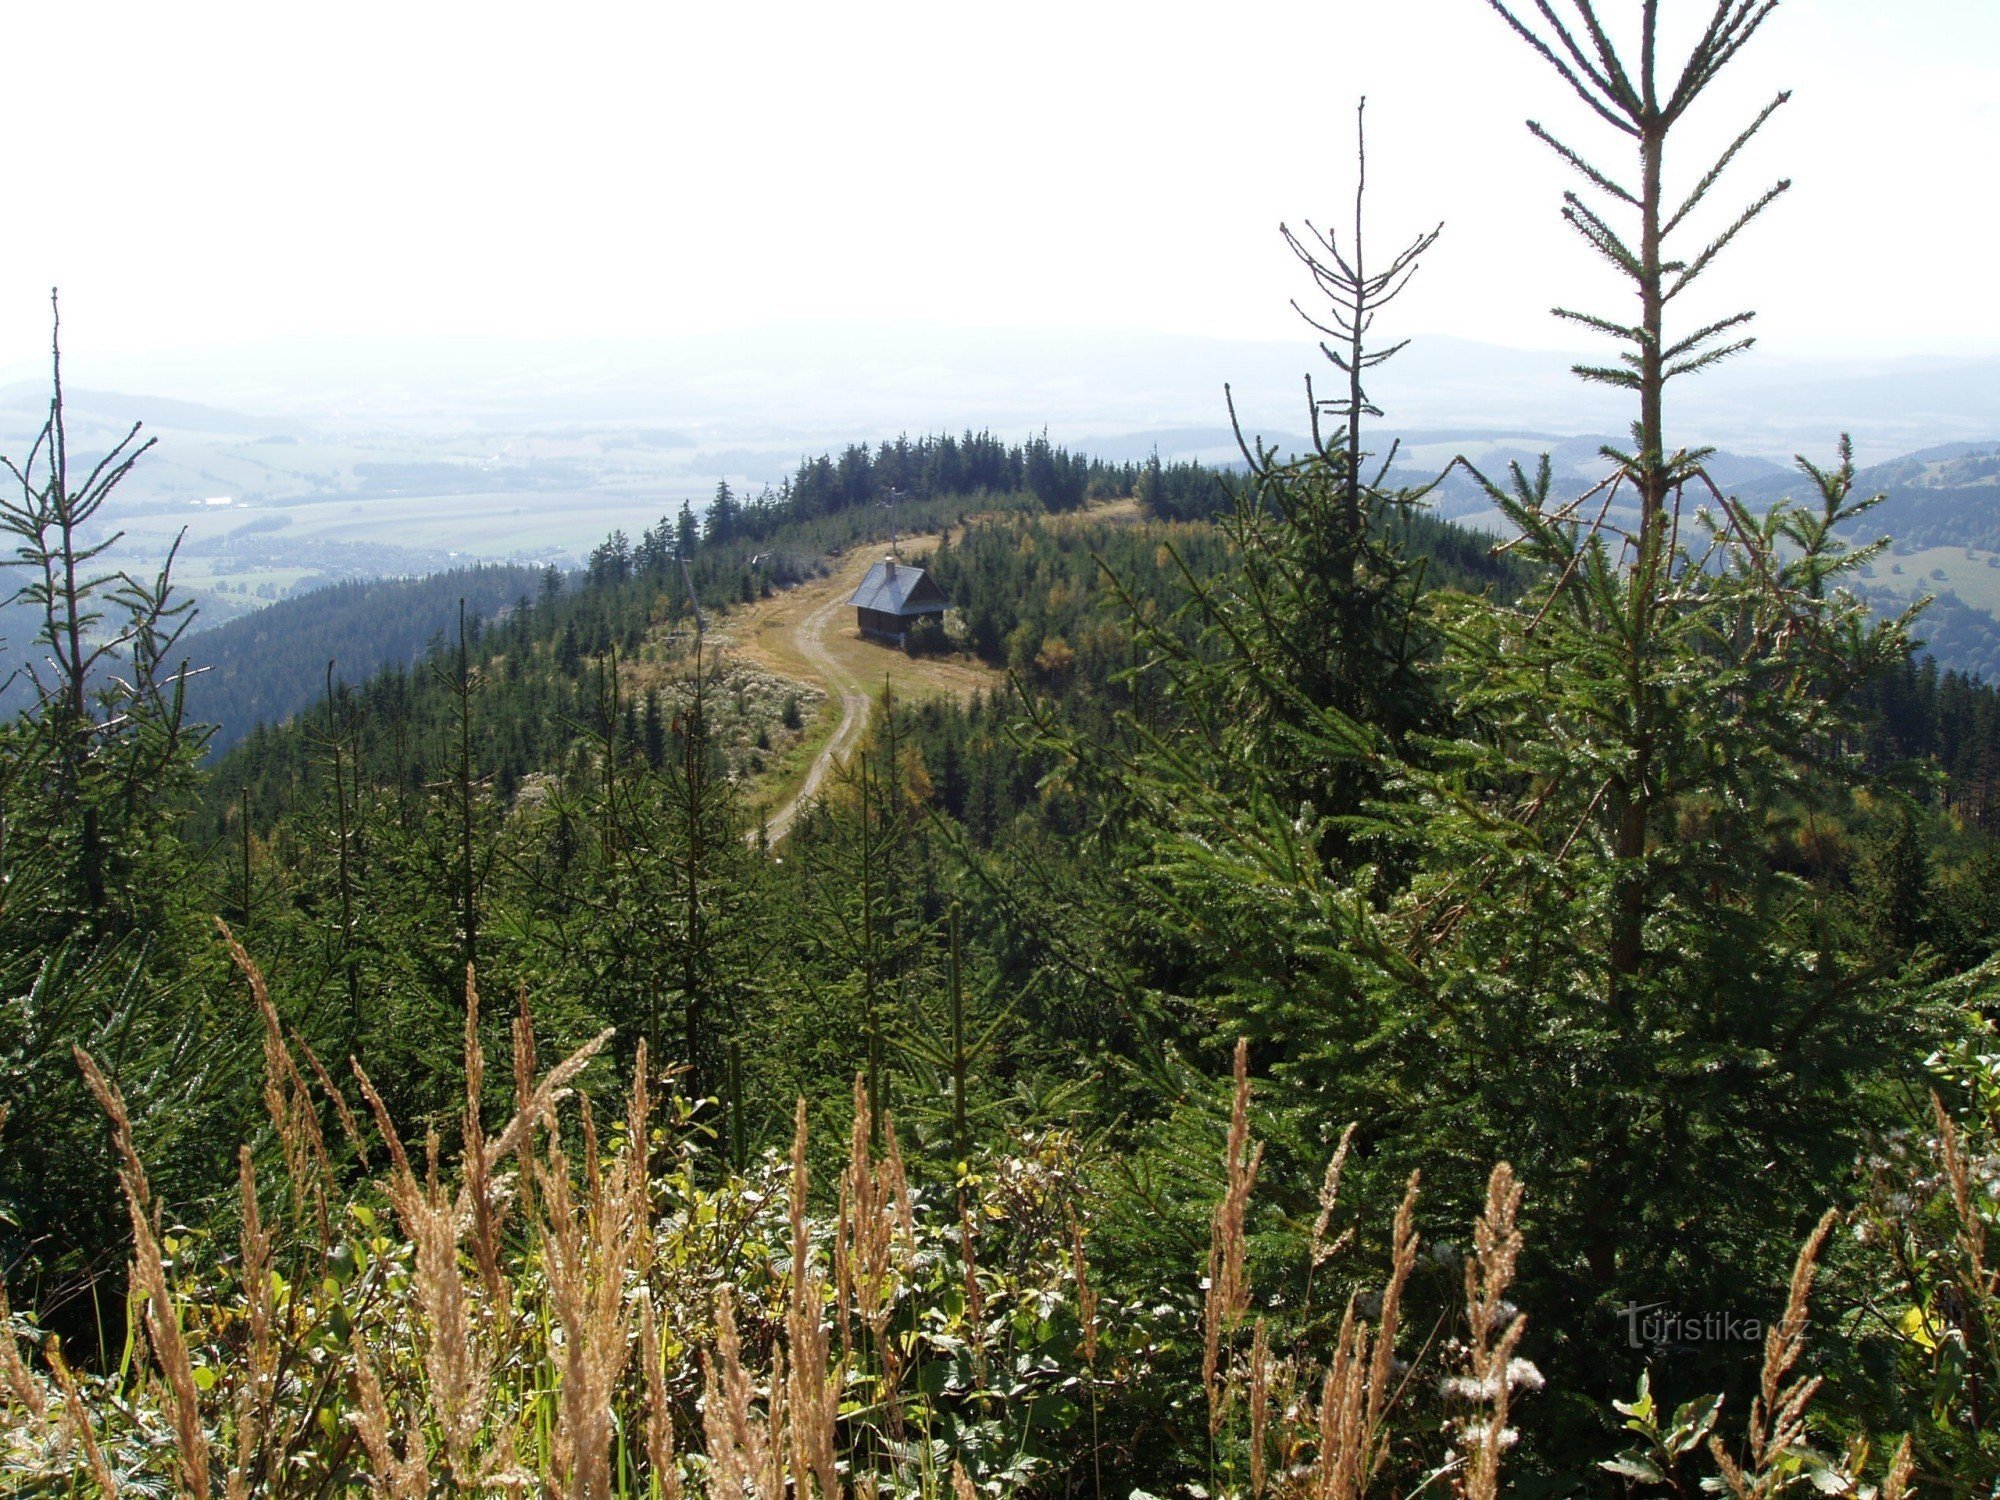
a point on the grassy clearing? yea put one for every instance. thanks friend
(768, 789)
(806, 635)
(1971, 574)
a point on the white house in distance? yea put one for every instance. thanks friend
(893, 597)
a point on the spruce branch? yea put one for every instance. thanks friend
(1576, 160)
(1732, 25)
(1606, 95)
(1693, 340)
(1605, 375)
(1627, 331)
(1715, 248)
(1722, 162)
(1601, 236)
(1704, 360)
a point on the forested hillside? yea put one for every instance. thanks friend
(1362, 1010)
(266, 666)
(1947, 496)
(1942, 507)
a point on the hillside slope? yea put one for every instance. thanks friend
(267, 666)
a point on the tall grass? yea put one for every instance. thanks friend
(562, 1306)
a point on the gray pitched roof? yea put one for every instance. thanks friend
(898, 588)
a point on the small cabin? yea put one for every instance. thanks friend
(893, 597)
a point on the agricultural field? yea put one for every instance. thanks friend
(1968, 572)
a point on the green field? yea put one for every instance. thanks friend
(477, 526)
(1971, 574)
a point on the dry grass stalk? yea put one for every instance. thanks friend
(1228, 1295)
(392, 1140)
(1329, 1197)
(1971, 1225)
(815, 1389)
(76, 1417)
(163, 1327)
(22, 1387)
(457, 1362)
(774, 1475)
(1403, 1259)
(659, 1415)
(349, 1126)
(457, 1358)
(288, 1100)
(1342, 1439)
(1356, 1393)
(968, 1251)
(1896, 1483)
(400, 1478)
(1260, 1406)
(587, 1250)
(638, 1164)
(843, 1271)
(1086, 1294)
(255, 1397)
(742, 1450)
(487, 1216)
(524, 1051)
(1495, 1329)
(961, 1486)
(795, 1208)
(879, 1230)
(1777, 1412)
(593, 1182)
(542, 1099)
(524, 1090)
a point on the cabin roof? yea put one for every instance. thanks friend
(900, 588)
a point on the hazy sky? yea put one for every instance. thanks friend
(207, 174)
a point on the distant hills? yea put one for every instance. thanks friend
(792, 388)
(292, 466)
(24, 406)
(264, 667)
(1947, 496)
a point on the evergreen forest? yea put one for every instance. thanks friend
(1347, 1006)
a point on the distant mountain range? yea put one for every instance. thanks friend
(814, 385)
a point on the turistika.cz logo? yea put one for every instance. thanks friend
(1654, 1325)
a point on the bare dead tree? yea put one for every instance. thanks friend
(1354, 297)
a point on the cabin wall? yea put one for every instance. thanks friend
(881, 625)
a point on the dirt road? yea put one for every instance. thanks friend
(808, 632)
(808, 638)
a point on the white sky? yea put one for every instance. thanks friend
(203, 174)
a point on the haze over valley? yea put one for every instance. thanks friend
(293, 465)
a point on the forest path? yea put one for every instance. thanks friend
(807, 633)
(809, 640)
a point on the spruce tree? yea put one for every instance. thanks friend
(1608, 899)
(103, 939)
(1520, 886)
